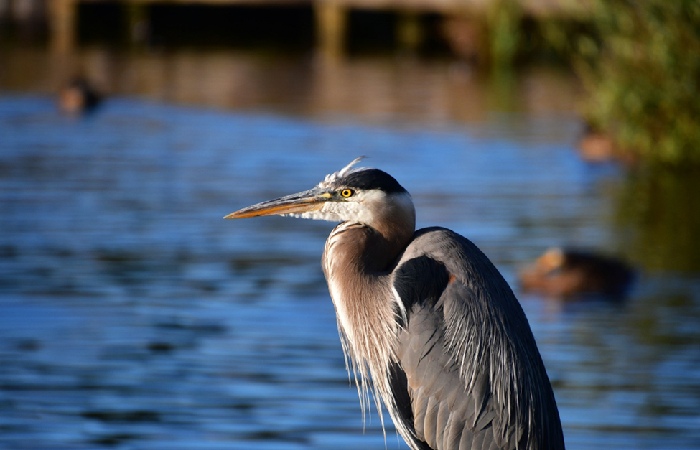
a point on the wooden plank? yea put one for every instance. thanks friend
(331, 22)
(62, 24)
(535, 7)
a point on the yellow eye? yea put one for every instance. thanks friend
(346, 193)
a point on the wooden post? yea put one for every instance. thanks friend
(466, 35)
(62, 14)
(409, 32)
(331, 20)
(137, 23)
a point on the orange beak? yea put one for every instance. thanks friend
(301, 202)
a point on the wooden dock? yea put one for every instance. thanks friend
(330, 15)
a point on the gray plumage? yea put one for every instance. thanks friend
(426, 321)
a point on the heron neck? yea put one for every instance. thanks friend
(358, 252)
(357, 262)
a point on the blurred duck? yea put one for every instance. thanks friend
(78, 96)
(568, 273)
(595, 146)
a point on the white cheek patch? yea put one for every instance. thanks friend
(364, 204)
(334, 210)
(347, 211)
(364, 207)
(373, 196)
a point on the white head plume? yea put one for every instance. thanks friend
(333, 177)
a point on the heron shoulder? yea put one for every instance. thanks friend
(462, 315)
(441, 243)
(460, 257)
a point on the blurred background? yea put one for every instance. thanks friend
(132, 316)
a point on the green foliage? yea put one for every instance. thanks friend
(504, 21)
(657, 218)
(642, 71)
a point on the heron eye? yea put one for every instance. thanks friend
(346, 193)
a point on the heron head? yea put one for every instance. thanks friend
(363, 195)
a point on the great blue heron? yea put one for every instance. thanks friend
(426, 321)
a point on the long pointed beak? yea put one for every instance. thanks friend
(301, 202)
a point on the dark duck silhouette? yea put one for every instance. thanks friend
(78, 96)
(567, 273)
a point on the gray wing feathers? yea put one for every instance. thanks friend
(492, 391)
(446, 415)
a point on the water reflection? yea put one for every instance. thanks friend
(371, 89)
(658, 213)
(132, 315)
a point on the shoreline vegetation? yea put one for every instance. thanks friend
(641, 71)
(640, 68)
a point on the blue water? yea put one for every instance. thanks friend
(132, 316)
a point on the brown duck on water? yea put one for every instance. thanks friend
(568, 273)
(78, 96)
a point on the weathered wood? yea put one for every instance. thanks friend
(331, 21)
(62, 15)
(331, 15)
(137, 18)
(409, 33)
